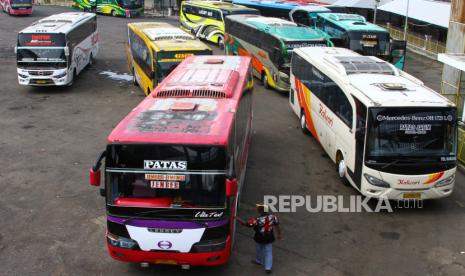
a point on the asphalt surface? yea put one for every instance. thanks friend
(53, 223)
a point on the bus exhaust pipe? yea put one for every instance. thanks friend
(185, 266)
(144, 265)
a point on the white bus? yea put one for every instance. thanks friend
(55, 49)
(389, 134)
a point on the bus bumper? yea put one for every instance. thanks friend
(20, 12)
(171, 258)
(410, 187)
(43, 78)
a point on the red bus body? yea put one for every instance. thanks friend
(206, 101)
(13, 7)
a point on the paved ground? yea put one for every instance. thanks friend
(53, 222)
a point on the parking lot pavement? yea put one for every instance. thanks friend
(53, 222)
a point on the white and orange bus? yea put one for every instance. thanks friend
(389, 134)
(175, 166)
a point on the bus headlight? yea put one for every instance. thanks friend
(122, 242)
(209, 246)
(62, 75)
(446, 181)
(376, 181)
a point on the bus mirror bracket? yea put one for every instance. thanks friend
(94, 173)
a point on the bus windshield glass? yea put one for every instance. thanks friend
(411, 133)
(21, 3)
(130, 4)
(168, 176)
(374, 43)
(41, 57)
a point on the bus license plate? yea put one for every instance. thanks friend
(41, 81)
(166, 262)
(411, 196)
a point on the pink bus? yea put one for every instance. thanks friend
(16, 7)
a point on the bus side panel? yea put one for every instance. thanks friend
(307, 104)
(203, 27)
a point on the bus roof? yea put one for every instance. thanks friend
(165, 37)
(218, 5)
(195, 104)
(374, 81)
(351, 22)
(58, 23)
(277, 4)
(278, 27)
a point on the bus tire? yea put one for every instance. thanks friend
(91, 60)
(74, 77)
(341, 168)
(265, 81)
(148, 91)
(303, 122)
(113, 13)
(221, 42)
(134, 80)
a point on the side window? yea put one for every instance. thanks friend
(216, 15)
(335, 99)
(140, 53)
(242, 124)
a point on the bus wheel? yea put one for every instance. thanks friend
(265, 81)
(74, 77)
(221, 42)
(148, 91)
(134, 80)
(341, 168)
(303, 122)
(91, 60)
(113, 13)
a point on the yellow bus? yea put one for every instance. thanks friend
(205, 19)
(155, 49)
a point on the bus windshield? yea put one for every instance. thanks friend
(41, 57)
(130, 4)
(373, 43)
(244, 11)
(167, 176)
(21, 3)
(412, 134)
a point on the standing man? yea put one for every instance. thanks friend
(264, 235)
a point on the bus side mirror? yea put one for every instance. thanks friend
(94, 173)
(16, 50)
(231, 187)
(66, 51)
(94, 177)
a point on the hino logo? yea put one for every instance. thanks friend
(165, 231)
(164, 245)
(165, 165)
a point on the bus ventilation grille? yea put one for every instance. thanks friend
(204, 93)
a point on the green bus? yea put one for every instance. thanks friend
(270, 42)
(353, 32)
(125, 8)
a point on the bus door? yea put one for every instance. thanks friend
(397, 52)
(359, 141)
